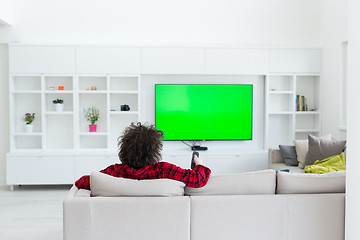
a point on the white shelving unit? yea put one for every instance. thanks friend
(285, 124)
(69, 129)
(62, 141)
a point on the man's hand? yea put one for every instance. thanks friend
(198, 161)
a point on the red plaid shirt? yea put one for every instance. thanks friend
(195, 178)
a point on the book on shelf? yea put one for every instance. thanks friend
(301, 103)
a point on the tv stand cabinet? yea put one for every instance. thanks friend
(61, 149)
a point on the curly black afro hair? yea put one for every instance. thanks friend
(140, 145)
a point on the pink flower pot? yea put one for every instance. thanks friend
(92, 128)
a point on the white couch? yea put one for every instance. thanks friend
(255, 205)
(276, 162)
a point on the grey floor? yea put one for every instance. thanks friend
(32, 212)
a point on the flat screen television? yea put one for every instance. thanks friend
(204, 112)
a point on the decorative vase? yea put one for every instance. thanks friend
(29, 128)
(59, 107)
(92, 128)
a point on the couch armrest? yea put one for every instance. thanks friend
(274, 156)
(76, 216)
(135, 218)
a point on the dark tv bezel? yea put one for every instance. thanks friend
(235, 139)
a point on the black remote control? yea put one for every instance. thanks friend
(192, 159)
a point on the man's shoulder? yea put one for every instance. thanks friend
(164, 165)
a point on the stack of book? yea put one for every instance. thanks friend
(301, 104)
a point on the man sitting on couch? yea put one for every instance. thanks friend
(140, 154)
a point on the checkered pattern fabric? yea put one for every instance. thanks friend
(195, 178)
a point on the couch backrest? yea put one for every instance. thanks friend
(247, 183)
(274, 156)
(308, 183)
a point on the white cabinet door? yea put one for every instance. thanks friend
(39, 170)
(236, 61)
(295, 60)
(41, 59)
(172, 60)
(102, 60)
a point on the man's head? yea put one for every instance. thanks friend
(140, 145)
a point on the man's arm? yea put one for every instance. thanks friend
(195, 178)
(84, 181)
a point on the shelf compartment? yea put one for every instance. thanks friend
(118, 123)
(59, 132)
(86, 82)
(279, 131)
(281, 103)
(96, 100)
(26, 83)
(26, 103)
(29, 141)
(123, 83)
(281, 83)
(308, 86)
(93, 141)
(56, 81)
(304, 135)
(118, 99)
(307, 121)
(67, 97)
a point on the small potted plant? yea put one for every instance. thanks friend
(29, 118)
(59, 105)
(92, 116)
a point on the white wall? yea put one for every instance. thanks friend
(278, 22)
(157, 22)
(5, 12)
(353, 151)
(333, 33)
(4, 110)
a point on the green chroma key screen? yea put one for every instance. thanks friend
(204, 112)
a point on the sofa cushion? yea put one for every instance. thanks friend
(258, 182)
(289, 155)
(302, 183)
(108, 186)
(320, 149)
(302, 147)
(82, 193)
(282, 166)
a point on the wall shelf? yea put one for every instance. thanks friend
(68, 129)
(307, 130)
(281, 113)
(284, 123)
(27, 134)
(124, 112)
(59, 113)
(307, 112)
(281, 92)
